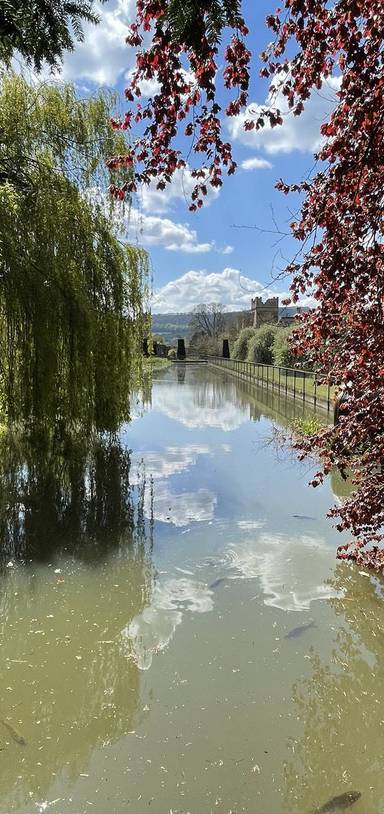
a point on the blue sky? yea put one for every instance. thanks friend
(208, 256)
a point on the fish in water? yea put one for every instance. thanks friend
(217, 582)
(17, 737)
(340, 802)
(303, 517)
(298, 631)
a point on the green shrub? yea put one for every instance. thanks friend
(261, 344)
(240, 348)
(281, 351)
(172, 353)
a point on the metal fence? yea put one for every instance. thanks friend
(295, 383)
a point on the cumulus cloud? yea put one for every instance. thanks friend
(103, 56)
(150, 87)
(297, 132)
(155, 201)
(229, 287)
(256, 164)
(152, 230)
(149, 230)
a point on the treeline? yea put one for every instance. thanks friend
(267, 345)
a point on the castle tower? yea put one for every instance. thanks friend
(265, 313)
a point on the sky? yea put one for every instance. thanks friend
(238, 245)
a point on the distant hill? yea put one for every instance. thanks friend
(176, 326)
(171, 326)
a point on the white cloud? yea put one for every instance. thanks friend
(155, 201)
(149, 87)
(104, 55)
(148, 230)
(151, 230)
(227, 250)
(228, 287)
(297, 132)
(256, 164)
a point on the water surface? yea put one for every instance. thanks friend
(145, 609)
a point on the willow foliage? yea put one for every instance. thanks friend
(71, 294)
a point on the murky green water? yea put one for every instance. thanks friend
(145, 608)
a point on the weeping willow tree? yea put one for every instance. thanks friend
(72, 318)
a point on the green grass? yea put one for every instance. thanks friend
(154, 363)
(321, 389)
(290, 382)
(308, 425)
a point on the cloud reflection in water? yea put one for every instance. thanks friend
(292, 571)
(151, 631)
(212, 404)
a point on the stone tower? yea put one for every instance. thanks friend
(265, 312)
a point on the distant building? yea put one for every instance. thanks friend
(269, 312)
(287, 314)
(265, 313)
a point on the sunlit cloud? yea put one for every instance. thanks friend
(256, 164)
(297, 132)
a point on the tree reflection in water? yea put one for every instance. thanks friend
(65, 493)
(341, 706)
(65, 680)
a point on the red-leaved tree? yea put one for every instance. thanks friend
(341, 224)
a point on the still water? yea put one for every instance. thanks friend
(176, 636)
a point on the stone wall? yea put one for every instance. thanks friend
(265, 312)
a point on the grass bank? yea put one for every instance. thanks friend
(155, 363)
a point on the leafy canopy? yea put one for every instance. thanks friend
(41, 30)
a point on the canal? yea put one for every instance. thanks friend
(176, 635)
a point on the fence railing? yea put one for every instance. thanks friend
(295, 383)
